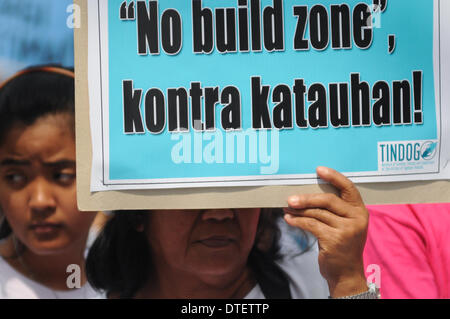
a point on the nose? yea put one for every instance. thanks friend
(218, 215)
(41, 196)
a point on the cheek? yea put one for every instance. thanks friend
(173, 237)
(66, 197)
(13, 206)
(67, 201)
(249, 224)
(169, 235)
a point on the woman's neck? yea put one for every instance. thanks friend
(180, 285)
(48, 270)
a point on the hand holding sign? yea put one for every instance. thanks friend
(340, 225)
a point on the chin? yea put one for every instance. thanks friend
(54, 247)
(217, 279)
(217, 271)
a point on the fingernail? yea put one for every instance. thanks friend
(321, 170)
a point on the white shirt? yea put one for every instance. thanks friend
(301, 269)
(14, 285)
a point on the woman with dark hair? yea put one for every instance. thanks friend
(236, 253)
(41, 228)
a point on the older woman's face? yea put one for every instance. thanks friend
(203, 243)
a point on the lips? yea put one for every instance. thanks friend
(217, 241)
(45, 228)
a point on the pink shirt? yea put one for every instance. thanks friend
(411, 246)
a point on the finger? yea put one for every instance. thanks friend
(328, 201)
(348, 191)
(312, 225)
(321, 215)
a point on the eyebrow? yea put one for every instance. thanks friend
(61, 163)
(14, 162)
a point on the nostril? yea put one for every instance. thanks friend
(42, 203)
(218, 214)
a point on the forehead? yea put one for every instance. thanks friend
(49, 138)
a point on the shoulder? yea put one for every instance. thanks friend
(414, 235)
(14, 285)
(411, 211)
(304, 276)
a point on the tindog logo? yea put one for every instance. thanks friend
(407, 151)
(428, 150)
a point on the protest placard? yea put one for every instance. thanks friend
(197, 94)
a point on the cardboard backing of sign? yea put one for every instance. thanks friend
(220, 197)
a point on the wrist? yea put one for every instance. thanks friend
(348, 286)
(372, 293)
